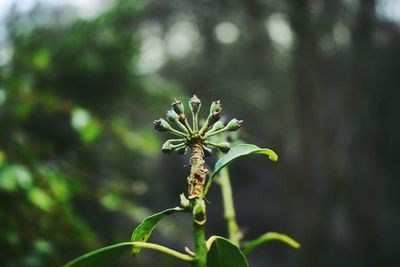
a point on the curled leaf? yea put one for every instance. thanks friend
(144, 230)
(269, 237)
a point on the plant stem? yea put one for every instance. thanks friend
(208, 134)
(229, 208)
(163, 249)
(195, 122)
(187, 126)
(198, 172)
(182, 127)
(205, 125)
(199, 238)
(176, 132)
(196, 181)
(177, 140)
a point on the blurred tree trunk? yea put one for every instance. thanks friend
(306, 66)
(361, 101)
(307, 110)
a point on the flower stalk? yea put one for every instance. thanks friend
(200, 147)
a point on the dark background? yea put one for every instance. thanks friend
(317, 81)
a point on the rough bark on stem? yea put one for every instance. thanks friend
(196, 182)
(198, 172)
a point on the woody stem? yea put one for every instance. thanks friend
(196, 181)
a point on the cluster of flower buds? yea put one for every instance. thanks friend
(194, 135)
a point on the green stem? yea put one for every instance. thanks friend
(200, 245)
(195, 122)
(208, 134)
(178, 146)
(163, 249)
(205, 125)
(187, 126)
(182, 127)
(177, 140)
(176, 132)
(212, 144)
(229, 208)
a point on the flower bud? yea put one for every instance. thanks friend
(224, 147)
(217, 126)
(234, 125)
(216, 106)
(161, 125)
(207, 151)
(195, 104)
(178, 107)
(214, 117)
(167, 147)
(184, 201)
(172, 116)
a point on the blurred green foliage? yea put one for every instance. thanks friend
(66, 118)
(317, 81)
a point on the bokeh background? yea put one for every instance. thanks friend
(317, 81)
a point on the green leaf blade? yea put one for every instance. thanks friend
(237, 152)
(101, 257)
(104, 257)
(223, 253)
(144, 230)
(249, 247)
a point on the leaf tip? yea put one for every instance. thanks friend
(270, 153)
(286, 239)
(273, 156)
(295, 244)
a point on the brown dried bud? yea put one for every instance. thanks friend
(215, 116)
(178, 107)
(195, 104)
(162, 125)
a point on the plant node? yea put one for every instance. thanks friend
(195, 139)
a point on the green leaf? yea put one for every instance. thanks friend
(223, 253)
(237, 152)
(144, 230)
(101, 257)
(269, 237)
(105, 256)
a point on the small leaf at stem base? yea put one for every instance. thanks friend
(223, 253)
